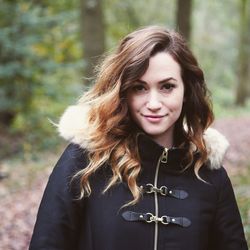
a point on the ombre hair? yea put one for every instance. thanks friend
(111, 131)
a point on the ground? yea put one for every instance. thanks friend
(21, 192)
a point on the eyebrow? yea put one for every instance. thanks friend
(161, 81)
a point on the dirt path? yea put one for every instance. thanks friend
(18, 210)
(237, 131)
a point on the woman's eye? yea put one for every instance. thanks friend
(139, 88)
(168, 86)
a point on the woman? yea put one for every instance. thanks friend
(143, 171)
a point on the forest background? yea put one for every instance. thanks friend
(47, 53)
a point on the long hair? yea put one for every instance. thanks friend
(111, 134)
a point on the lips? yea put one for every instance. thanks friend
(154, 118)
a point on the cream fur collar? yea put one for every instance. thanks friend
(73, 127)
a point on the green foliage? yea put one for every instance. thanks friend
(123, 17)
(215, 42)
(40, 56)
(223, 103)
(16, 73)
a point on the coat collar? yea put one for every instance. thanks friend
(73, 126)
(150, 152)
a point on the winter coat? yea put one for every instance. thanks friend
(177, 211)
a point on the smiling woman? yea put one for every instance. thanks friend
(155, 100)
(143, 169)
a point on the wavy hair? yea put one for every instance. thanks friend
(111, 131)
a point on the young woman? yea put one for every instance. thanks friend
(143, 170)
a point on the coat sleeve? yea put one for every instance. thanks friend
(228, 230)
(57, 224)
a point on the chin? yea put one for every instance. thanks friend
(153, 133)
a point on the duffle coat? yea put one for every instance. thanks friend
(177, 211)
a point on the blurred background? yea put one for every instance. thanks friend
(48, 50)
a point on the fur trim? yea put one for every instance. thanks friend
(73, 126)
(217, 145)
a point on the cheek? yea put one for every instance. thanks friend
(176, 104)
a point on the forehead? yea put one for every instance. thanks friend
(162, 65)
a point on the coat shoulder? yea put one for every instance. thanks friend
(73, 158)
(217, 177)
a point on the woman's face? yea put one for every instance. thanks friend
(155, 100)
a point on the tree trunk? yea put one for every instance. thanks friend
(244, 54)
(183, 18)
(93, 34)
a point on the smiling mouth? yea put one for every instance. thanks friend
(154, 118)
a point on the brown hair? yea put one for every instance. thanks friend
(110, 137)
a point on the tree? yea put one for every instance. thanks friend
(93, 33)
(39, 57)
(183, 18)
(244, 54)
(28, 53)
(17, 74)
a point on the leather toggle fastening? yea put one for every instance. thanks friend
(148, 217)
(165, 191)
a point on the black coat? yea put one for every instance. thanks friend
(177, 211)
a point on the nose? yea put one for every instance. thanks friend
(153, 101)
